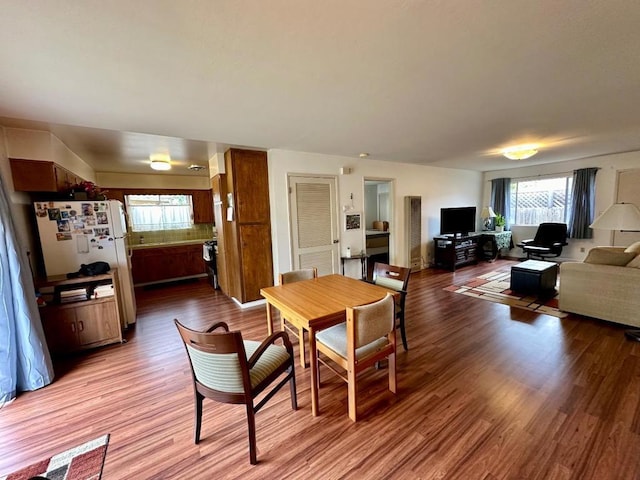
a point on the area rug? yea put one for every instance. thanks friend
(495, 287)
(83, 462)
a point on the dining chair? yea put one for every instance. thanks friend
(228, 369)
(290, 277)
(394, 278)
(367, 336)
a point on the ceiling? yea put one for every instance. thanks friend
(429, 82)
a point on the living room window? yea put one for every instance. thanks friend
(159, 212)
(538, 200)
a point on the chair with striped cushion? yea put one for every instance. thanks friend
(228, 369)
(368, 336)
(395, 278)
(290, 277)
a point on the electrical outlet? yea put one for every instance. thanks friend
(581, 249)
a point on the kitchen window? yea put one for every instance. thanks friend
(534, 201)
(159, 212)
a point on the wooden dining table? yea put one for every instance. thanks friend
(317, 304)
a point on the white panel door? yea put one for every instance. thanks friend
(314, 223)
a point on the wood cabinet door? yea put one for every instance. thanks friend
(97, 322)
(250, 185)
(257, 263)
(63, 178)
(33, 175)
(194, 261)
(59, 325)
(202, 206)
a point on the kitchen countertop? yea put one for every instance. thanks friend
(141, 246)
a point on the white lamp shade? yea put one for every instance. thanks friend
(487, 212)
(619, 216)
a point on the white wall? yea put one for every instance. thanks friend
(438, 187)
(605, 195)
(127, 180)
(19, 202)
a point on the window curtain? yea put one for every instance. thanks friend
(25, 363)
(160, 217)
(501, 198)
(583, 203)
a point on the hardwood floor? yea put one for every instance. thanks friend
(485, 392)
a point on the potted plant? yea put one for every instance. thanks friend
(500, 222)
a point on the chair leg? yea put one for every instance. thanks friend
(393, 381)
(403, 333)
(198, 417)
(303, 361)
(251, 420)
(292, 387)
(353, 393)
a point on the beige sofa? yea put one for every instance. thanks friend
(605, 286)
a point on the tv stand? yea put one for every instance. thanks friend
(452, 252)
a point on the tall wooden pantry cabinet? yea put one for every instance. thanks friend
(243, 222)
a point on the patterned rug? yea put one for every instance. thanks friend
(83, 462)
(495, 287)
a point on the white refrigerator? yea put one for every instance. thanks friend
(73, 233)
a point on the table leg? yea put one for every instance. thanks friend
(269, 321)
(315, 381)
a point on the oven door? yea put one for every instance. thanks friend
(207, 252)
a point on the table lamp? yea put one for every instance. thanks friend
(487, 214)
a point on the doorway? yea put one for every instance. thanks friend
(379, 221)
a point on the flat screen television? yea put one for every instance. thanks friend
(457, 220)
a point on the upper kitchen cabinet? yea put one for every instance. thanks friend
(202, 206)
(41, 176)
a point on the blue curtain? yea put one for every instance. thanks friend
(25, 363)
(583, 203)
(501, 198)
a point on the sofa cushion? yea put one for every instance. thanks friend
(603, 256)
(635, 263)
(634, 247)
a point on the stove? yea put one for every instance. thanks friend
(209, 251)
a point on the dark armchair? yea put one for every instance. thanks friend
(548, 242)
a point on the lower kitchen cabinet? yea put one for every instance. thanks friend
(157, 264)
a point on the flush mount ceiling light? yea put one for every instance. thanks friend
(195, 167)
(521, 152)
(363, 155)
(160, 161)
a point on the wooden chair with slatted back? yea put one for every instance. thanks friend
(228, 369)
(395, 278)
(290, 277)
(368, 336)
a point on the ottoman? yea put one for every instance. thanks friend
(534, 277)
